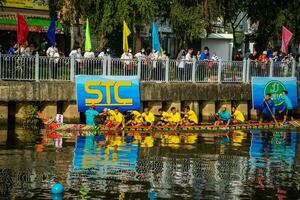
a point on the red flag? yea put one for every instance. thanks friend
(286, 37)
(22, 30)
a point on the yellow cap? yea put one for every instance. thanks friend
(223, 106)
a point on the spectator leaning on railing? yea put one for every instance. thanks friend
(126, 58)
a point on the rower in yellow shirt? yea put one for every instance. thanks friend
(237, 116)
(175, 118)
(164, 117)
(118, 120)
(137, 118)
(148, 117)
(190, 117)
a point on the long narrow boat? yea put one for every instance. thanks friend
(52, 127)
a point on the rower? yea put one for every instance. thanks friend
(175, 118)
(223, 117)
(118, 119)
(267, 109)
(237, 116)
(148, 117)
(288, 109)
(190, 117)
(136, 118)
(164, 117)
(90, 115)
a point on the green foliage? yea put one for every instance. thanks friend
(188, 21)
(31, 113)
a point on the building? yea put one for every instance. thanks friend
(36, 12)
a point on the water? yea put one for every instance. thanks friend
(236, 165)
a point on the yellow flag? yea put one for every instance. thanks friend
(126, 33)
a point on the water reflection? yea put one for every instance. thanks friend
(232, 165)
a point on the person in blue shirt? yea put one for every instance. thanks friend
(223, 117)
(267, 109)
(205, 56)
(287, 109)
(90, 115)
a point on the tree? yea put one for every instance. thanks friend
(191, 20)
(234, 12)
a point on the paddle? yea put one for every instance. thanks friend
(271, 113)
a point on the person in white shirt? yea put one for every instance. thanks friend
(89, 62)
(127, 60)
(140, 54)
(89, 54)
(188, 65)
(50, 51)
(214, 57)
(104, 54)
(76, 53)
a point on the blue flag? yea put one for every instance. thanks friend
(155, 38)
(51, 32)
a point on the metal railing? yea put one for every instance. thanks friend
(39, 68)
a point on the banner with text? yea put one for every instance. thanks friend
(274, 86)
(27, 4)
(107, 92)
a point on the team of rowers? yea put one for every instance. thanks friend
(116, 120)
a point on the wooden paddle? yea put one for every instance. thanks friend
(273, 116)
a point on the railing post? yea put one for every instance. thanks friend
(72, 68)
(219, 70)
(294, 68)
(194, 70)
(139, 69)
(248, 71)
(0, 66)
(108, 65)
(244, 70)
(271, 68)
(36, 67)
(104, 60)
(167, 69)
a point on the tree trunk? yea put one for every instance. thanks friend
(72, 36)
(103, 41)
(234, 43)
(137, 39)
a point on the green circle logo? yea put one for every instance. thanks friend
(275, 88)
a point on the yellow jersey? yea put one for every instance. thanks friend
(111, 116)
(165, 116)
(238, 115)
(137, 117)
(118, 117)
(175, 118)
(191, 115)
(149, 118)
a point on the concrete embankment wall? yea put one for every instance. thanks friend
(59, 97)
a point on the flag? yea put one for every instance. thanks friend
(126, 33)
(51, 31)
(286, 37)
(88, 43)
(155, 38)
(22, 30)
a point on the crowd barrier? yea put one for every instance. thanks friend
(40, 68)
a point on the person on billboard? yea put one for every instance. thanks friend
(287, 110)
(90, 115)
(223, 117)
(267, 109)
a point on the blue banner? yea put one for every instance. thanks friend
(107, 92)
(274, 85)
